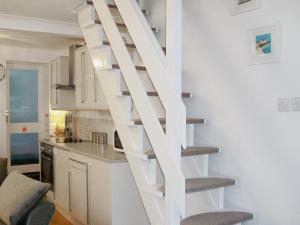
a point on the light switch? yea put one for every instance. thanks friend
(296, 104)
(284, 104)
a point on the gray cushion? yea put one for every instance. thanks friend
(18, 195)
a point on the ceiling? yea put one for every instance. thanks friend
(62, 10)
(59, 10)
(25, 39)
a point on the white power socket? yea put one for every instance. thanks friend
(296, 104)
(284, 104)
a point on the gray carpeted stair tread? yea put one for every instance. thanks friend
(153, 93)
(128, 45)
(189, 151)
(163, 121)
(112, 6)
(204, 183)
(218, 218)
(123, 25)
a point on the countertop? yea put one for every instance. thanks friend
(90, 149)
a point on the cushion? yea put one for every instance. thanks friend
(18, 195)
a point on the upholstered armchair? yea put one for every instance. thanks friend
(40, 214)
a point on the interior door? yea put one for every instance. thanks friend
(23, 117)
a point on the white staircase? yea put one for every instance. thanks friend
(143, 91)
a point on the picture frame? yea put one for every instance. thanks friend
(242, 6)
(264, 44)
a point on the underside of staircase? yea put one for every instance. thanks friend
(140, 109)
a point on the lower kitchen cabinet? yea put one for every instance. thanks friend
(95, 192)
(61, 171)
(79, 190)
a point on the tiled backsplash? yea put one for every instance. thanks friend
(85, 127)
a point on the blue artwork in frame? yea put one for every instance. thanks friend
(264, 44)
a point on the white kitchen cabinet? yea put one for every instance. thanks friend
(61, 184)
(79, 190)
(100, 193)
(94, 192)
(89, 94)
(62, 96)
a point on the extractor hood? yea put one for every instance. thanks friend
(70, 85)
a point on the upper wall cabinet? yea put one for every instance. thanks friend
(89, 95)
(61, 92)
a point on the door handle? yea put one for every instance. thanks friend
(7, 116)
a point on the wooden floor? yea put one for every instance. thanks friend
(58, 219)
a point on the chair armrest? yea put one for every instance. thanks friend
(41, 214)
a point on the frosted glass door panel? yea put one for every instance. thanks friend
(24, 148)
(23, 96)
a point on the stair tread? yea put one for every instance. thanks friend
(163, 121)
(218, 218)
(130, 45)
(153, 93)
(141, 68)
(189, 151)
(123, 25)
(112, 6)
(204, 183)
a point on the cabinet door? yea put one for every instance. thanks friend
(53, 91)
(100, 193)
(99, 98)
(61, 178)
(88, 91)
(78, 186)
(91, 82)
(80, 77)
(61, 99)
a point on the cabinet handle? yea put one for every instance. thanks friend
(88, 193)
(57, 81)
(83, 77)
(74, 160)
(70, 203)
(95, 87)
(45, 157)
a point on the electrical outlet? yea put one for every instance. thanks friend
(284, 104)
(296, 104)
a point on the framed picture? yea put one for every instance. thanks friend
(264, 44)
(241, 6)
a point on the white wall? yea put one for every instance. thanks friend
(260, 146)
(20, 55)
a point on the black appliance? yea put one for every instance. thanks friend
(68, 140)
(47, 174)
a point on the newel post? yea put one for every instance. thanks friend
(174, 70)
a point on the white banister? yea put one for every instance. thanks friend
(174, 71)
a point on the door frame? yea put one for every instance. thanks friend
(43, 108)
